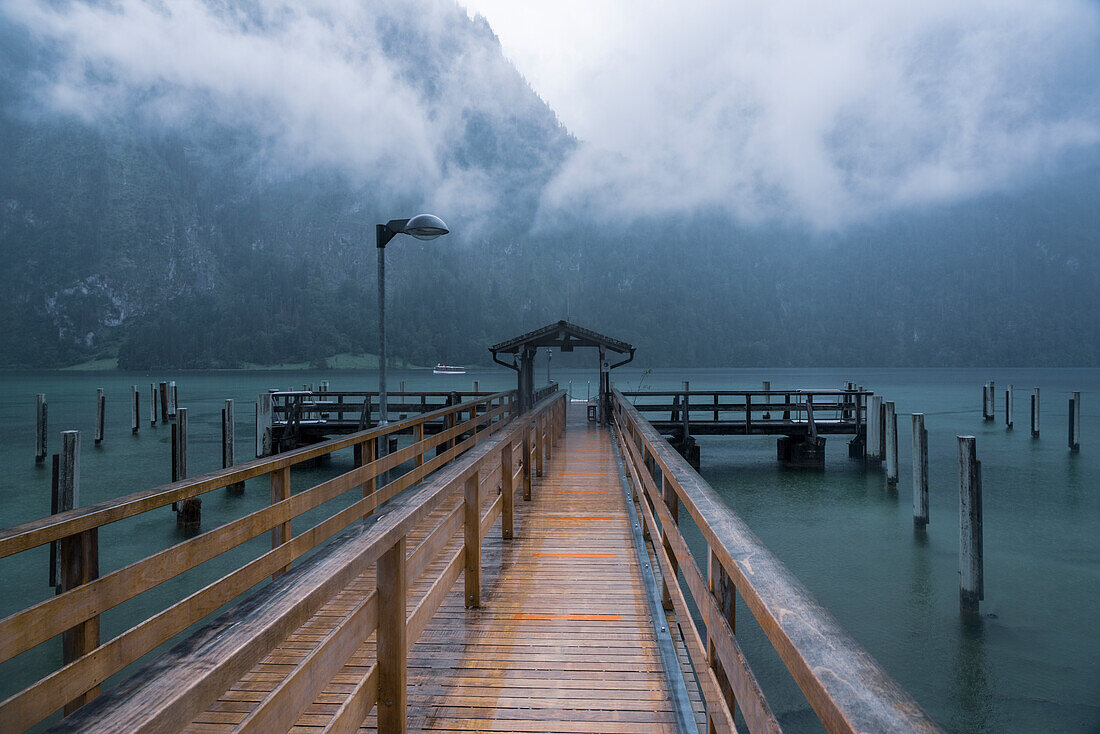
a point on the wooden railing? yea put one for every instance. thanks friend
(76, 609)
(843, 684)
(755, 411)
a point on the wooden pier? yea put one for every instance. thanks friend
(801, 418)
(564, 619)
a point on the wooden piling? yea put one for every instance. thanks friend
(152, 404)
(1035, 413)
(1009, 407)
(891, 444)
(173, 399)
(264, 424)
(477, 386)
(65, 490)
(767, 399)
(163, 402)
(100, 417)
(189, 512)
(875, 449)
(40, 428)
(74, 560)
(920, 471)
(971, 576)
(992, 401)
(1075, 422)
(135, 409)
(229, 442)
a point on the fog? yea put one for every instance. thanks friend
(825, 112)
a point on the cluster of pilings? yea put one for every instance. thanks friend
(989, 412)
(164, 408)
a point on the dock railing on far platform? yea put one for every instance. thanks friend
(842, 683)
(76, 609)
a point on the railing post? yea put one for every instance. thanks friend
(528, 450)
(392, 585)
(721, 588)
(280, 490)
(507, 490)
(538, 446)
(363, 454)
(672, 502)
(418, 436)
(472, 513)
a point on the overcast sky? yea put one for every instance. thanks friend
(827, 111)
(764, 110)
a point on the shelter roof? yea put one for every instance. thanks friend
(563, 335)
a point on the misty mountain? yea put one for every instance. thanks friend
(177, 224)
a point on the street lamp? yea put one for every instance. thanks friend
(422, 227)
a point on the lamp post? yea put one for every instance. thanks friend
(422, 227)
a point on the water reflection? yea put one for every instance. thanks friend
(972, 693)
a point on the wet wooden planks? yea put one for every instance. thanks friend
(563, 641)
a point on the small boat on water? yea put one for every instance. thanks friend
(447, 369)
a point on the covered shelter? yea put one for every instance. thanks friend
(565, 336)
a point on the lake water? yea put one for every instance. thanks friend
(1031, 662)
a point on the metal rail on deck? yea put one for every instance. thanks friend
(847, 689)
(81, 605)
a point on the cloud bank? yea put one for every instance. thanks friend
(818, 113)
(822, 112)
(327, 84)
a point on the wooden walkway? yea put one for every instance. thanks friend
(563, 640)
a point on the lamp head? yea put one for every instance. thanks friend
(425, 227)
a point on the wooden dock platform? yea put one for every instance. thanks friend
(563, 640)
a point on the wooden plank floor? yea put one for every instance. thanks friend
(563, 641)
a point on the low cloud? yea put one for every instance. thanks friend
(825, 113)
(328, 84)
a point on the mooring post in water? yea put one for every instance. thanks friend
(229, 444)
(189, 514)
(874, 431)
(477, 386)
(74, 560)
(891, 444)
(264, 424)
(767, 399)
(1009, 407)
(152, 404)
(920, 471)
(135, 409)
(971, 575)
(1035, 413)
(100, 409)
(992, 402)
(40, 428)
(173, 399)
(163, 402)
(1075, 422)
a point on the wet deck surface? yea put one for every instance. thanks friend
(563, 641)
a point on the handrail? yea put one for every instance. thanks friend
(847, 689)
(81, 604)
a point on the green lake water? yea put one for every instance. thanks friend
(1030, 662)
